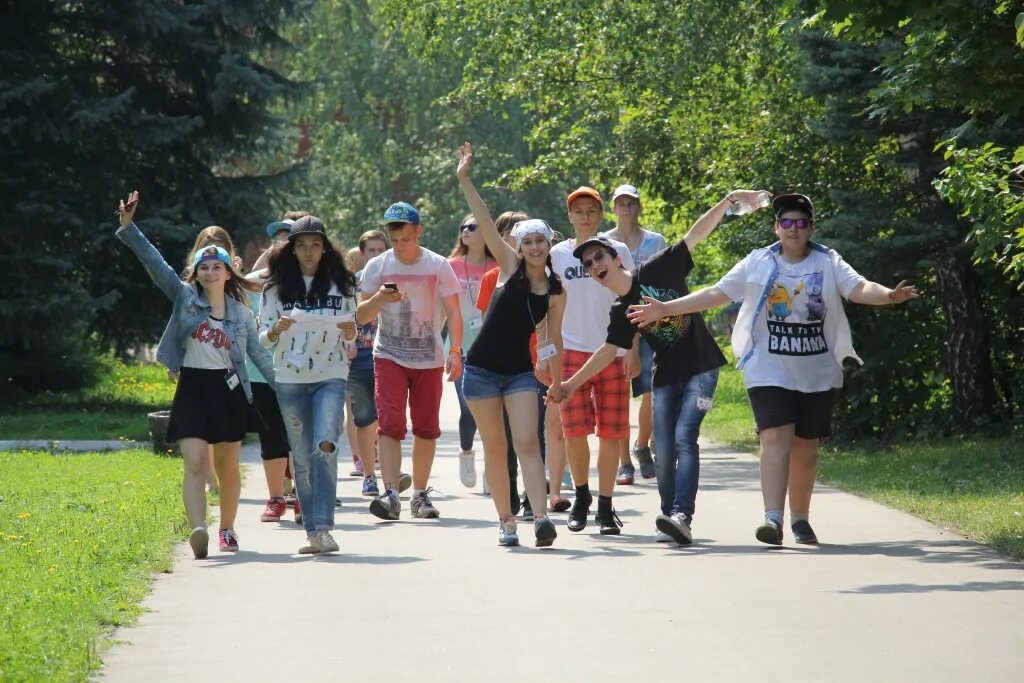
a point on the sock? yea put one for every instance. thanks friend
(604, 503)
(416, 492)
(583, 491)
(795, 517)
(774, 516)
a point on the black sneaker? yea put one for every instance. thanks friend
(609, 522)
(544, 532)
(803, 533)
(769, 532)
(527, 510)
(579, 513)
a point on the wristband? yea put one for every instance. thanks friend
(456, 350)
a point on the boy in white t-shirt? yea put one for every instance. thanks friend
(411, 290)
(642, 245)
(790, 338)
(603, 402)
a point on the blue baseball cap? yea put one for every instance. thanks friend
(401, 212)
(211, 253)
(278, 226)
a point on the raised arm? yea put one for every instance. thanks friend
(162, 274)
(507, 258)
(654, 310)
(707, 223)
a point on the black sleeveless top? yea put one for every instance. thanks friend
(503, 345)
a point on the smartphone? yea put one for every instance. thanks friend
(391, 285)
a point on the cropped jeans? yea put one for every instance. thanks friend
(677, 421)
(314, 414)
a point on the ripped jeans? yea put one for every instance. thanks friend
(313, 414)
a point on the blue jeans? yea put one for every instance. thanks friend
(676, 428)
(313, 414)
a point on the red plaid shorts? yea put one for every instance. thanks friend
(602, 400)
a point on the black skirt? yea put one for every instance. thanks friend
(204, 408)
(265, 419)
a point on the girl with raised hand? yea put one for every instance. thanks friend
(207, 338)
(307, 316)
(499, 369)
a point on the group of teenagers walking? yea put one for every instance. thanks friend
(544, 340)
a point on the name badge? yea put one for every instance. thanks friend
(704, 403)
(231, 378)
(546, 351)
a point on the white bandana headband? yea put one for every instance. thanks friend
(532, 226)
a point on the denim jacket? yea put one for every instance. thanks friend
(191, 308)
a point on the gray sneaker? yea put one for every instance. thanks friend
(327, 542)
(312, 545)
(404, 481)
(386, 505)
(422, 507)
(507, 532)
(675, 526)
(643, 456)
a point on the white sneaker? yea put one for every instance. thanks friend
(662, 537)
(327, 542)
(312, 545)
(676, 527)
(467, 468)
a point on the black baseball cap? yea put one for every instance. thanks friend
(307, 225)
(797, 202)
(596, 240)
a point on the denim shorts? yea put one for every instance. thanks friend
(360, 391)
(478, 383)
(641, 384)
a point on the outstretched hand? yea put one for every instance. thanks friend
(126, 210)
(646, 314)
(902, 292)
(465, 159)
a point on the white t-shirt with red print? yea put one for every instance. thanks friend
(410, 330)
(208, 346)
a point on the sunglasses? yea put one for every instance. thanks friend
(598, 257)
(798, 223)
(468, 226)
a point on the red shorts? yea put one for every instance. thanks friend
(602, 400)
(394, 386)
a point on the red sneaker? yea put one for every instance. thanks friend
(275, 509)
(228, 541)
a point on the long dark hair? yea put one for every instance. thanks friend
(286, 274)
(521, 281)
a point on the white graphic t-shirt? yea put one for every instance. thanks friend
(587, 305)
(207, 348)
(410, 330)
(790, 346)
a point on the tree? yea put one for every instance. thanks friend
(103, 97)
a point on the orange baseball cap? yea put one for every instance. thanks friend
(583, 191)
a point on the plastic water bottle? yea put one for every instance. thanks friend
(762, 200)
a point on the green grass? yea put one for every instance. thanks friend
(115, 408)
(80, 537)
(975, 487)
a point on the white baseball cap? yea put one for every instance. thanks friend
(627, 190)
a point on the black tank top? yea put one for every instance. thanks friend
(503, 345)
